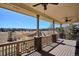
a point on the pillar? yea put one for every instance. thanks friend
(54, 38)
(38, 25)
(61, 34)
(53, 27)
(60, 25)
(37, 39)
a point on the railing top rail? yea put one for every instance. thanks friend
(46, 36)
(14, 42)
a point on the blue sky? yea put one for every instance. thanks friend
(11, 19)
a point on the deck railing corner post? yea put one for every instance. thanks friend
(38, 43)
(54, 37)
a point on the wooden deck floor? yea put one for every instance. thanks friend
(70, 42)
(63, 50)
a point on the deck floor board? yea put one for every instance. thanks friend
(63, 50)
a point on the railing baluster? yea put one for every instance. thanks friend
(29, 46)
(6, 50)
(25, 46)
(9, 50)
(0, 51)
(21, 48)
(17, 49)
(3, 51)
(14, 49)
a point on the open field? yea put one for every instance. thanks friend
(21, 35)
(3, 37)
(18, 35)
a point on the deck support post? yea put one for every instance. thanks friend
(53, 27)
(54, 38)
(38, 44)
(61, 35)
(38, 25)
(37, 40)
(60, 25)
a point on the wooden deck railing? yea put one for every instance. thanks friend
(46, 40)
(16, 48)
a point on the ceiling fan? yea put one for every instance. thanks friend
(44, 5)
(67, 19)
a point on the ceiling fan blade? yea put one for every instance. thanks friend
(54, 3)
(36, 4)
(70, 20)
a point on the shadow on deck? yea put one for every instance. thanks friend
(77, 47)
(40, 53)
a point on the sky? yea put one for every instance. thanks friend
(11, 19)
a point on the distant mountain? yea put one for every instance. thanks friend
(20, 29)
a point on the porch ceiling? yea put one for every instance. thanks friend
(60, 11)
(53, 12)
(27, 10)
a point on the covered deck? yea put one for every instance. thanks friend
(51, 45)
